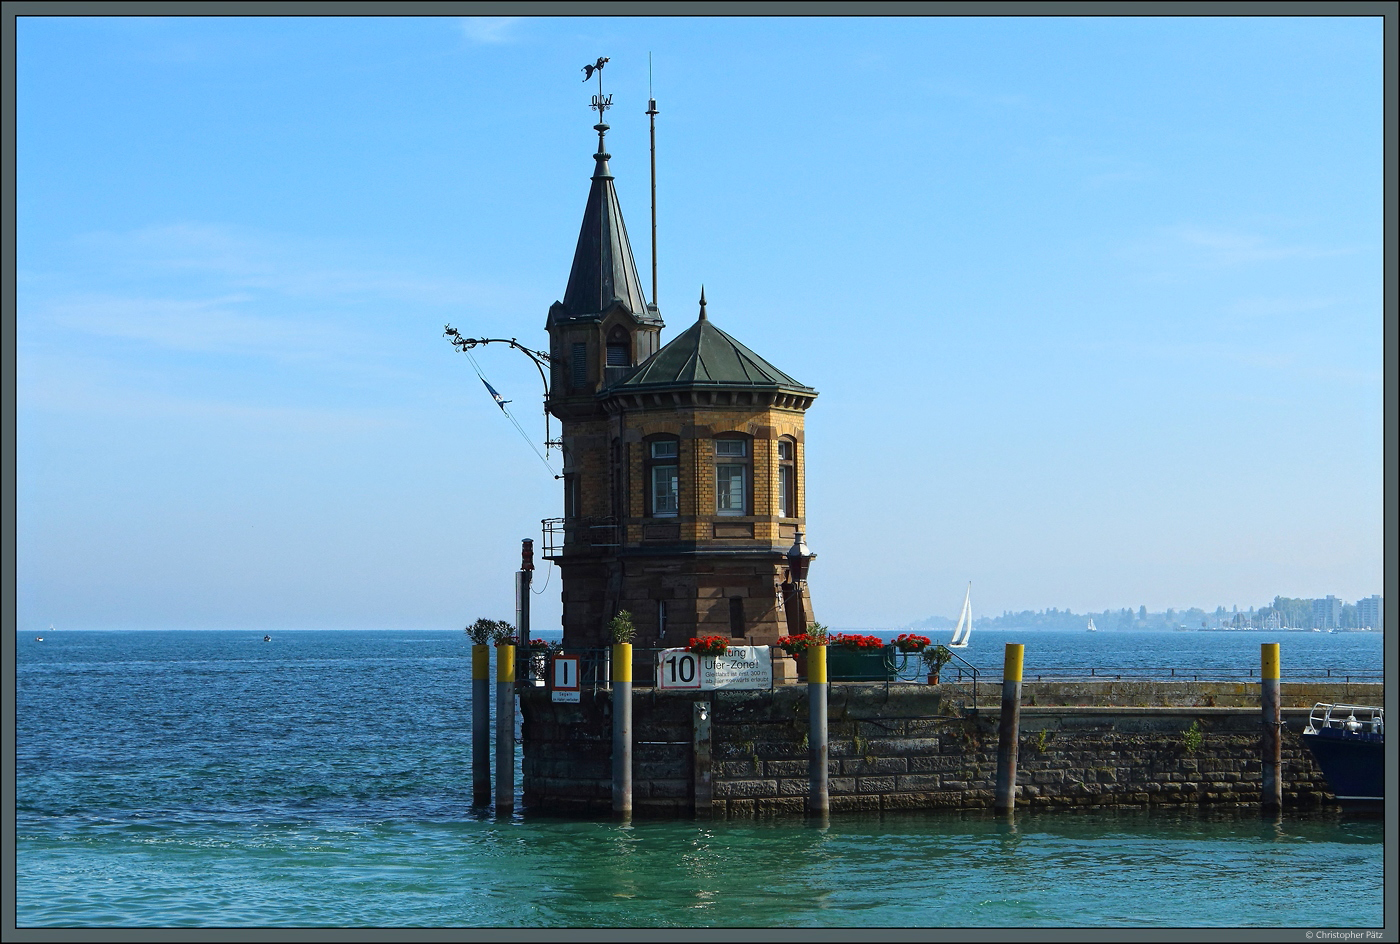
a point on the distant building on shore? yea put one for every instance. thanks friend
(1327, 613)
(1371, 612)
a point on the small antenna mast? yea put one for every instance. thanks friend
(651, 113)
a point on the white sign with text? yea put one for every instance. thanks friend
(741, 667)
(566, 682)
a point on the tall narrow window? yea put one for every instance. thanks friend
(619, 504)
(736, 617)
(731, 476)
(570, 495)
(578, 365)
(660, 619)
(664, 478)
(787, 479)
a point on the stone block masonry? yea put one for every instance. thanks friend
(924, 747)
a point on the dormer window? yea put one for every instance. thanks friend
(619, 348)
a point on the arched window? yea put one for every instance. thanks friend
(732, 475)
(619, 347)
(663, 477)
(787, 477)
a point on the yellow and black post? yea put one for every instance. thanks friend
(622, 728)
(1270, 700)
(505, 729)
(1009, 730)
(481, 725)
(819, 752)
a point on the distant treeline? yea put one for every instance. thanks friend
(1283, 612)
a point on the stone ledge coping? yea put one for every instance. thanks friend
(1143, 710)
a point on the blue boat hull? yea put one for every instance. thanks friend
(1353, 765)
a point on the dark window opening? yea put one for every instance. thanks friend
(736, 617)
(619, 348)
(570, 495)
(660, 619)
(579, 365)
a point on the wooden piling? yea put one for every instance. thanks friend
(819, 752)
(505, 729)
(481, 725)
(1270, 702)
(1009, 730)
(622, 727)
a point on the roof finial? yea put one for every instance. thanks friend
(599, 101)
(702, 304)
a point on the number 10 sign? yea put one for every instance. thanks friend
(740, 667)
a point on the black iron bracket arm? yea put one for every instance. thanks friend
(540, 358)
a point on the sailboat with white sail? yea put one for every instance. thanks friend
(1092, 628)
(963, 631)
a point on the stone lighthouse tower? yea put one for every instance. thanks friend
(684, 464)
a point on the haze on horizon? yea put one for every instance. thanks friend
(1094, 304)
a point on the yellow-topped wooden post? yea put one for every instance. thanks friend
(622, 726)
(1009, 729)
(1271, 703)
(819, 751)
(481, 725)
(505, 728)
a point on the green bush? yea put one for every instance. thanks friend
(621, 628)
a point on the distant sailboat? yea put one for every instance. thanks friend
(1092, 627)
(964, 627)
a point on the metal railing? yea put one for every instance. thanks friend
(559, 533)
(1347, 719)
(595, 669)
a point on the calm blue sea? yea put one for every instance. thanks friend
(323, 779)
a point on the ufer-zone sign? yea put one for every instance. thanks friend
(739, 667)
(565, 679)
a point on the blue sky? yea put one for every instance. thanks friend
(1094, 304)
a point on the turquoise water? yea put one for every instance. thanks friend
(322, 779)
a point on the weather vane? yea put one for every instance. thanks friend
(599, 101)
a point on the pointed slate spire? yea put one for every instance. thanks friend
(604, 274)
(702, 303)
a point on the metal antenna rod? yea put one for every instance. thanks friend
(651, 112)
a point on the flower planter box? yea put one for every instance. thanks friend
(856, 665)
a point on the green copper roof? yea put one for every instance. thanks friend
(705, 355)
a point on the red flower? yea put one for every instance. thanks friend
(709, 645)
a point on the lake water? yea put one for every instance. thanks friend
(323, 779)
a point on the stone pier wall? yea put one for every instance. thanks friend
(1109, 743)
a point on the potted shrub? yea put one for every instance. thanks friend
(936, 658)
(622, 630)
(620, 627)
